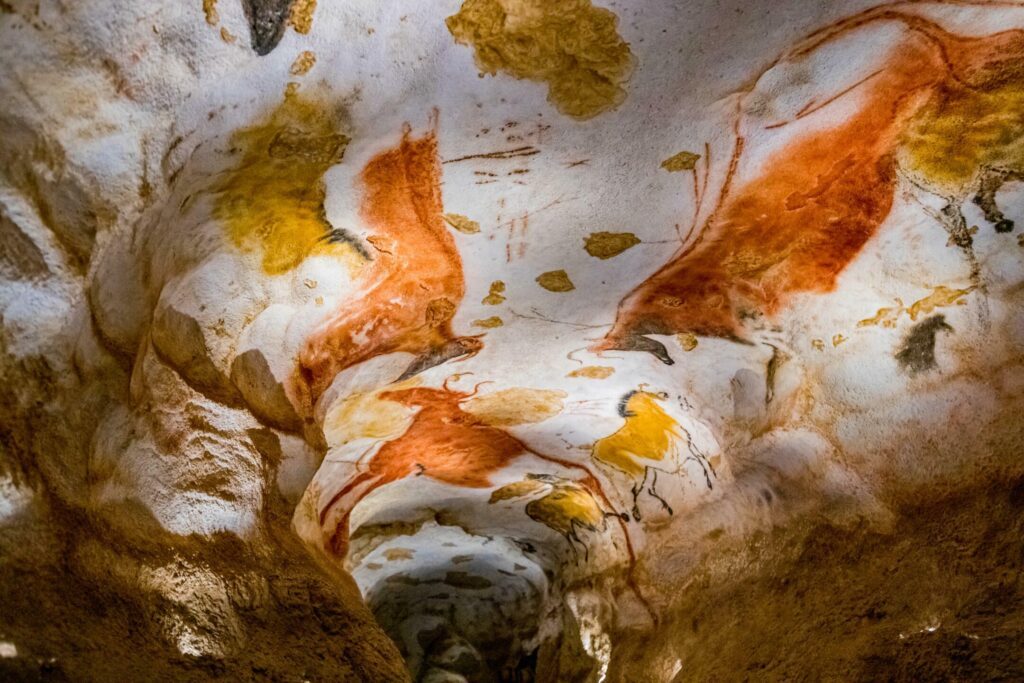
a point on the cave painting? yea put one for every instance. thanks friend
(646, 444)
(412, 287)
(446, 442)
(807, 214)
(272, 201)
(565, 506)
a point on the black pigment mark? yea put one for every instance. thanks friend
(917, 353)
(267, 19)
(992, 179)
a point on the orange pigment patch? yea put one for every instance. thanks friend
(443, 442)
(413, 286)
(809, 214)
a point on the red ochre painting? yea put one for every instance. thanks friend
(442, 442)
(414, 283)
(946, 110)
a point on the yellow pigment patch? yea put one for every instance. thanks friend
(687, 340)
(488, 323)
(940, 297)
(365, 416)
(957, 133)
(593, 372)
(515, 490)
(647, 434)
(516, 406)
(272, 201)
(684, 161)
(570, 45)
(495, 296)
(301, 17)
(303, 63)
(555, 281)
(605, 245)
(461, 223)
(210, 11)
(227, 36)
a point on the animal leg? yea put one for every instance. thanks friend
(992, 179)
(654, 492)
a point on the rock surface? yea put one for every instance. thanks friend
(511, 340)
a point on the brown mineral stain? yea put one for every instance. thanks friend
(227, 36)
(303, 63)
(443, 442)
(272, 201)
(408, 293)
(489, 323)
(210, 11)
(796, 226)
(817, 344)
(495, 295)
(683, 161)
(593, 372)
(459, 222)
(301, 17)
(837, 339)
(570, 45)
(555, 281)
(393, 554)
(516, 406)
(605, 245)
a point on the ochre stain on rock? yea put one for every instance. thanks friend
(303, 63)
(555, 281)
(687, 340)
(516, 406)
(409, 292)
(489, 323)
(272, 200)
(495, 294)
(940, 297)
(459, 222)
(593, 372)
(210, 12)
(683, 161)
(570, 45)
(605, 245)
(797, 225)
(301, 16)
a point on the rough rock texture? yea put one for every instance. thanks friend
(682, 343)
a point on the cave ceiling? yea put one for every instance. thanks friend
(511, 340)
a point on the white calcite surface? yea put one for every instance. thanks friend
(511, 340)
